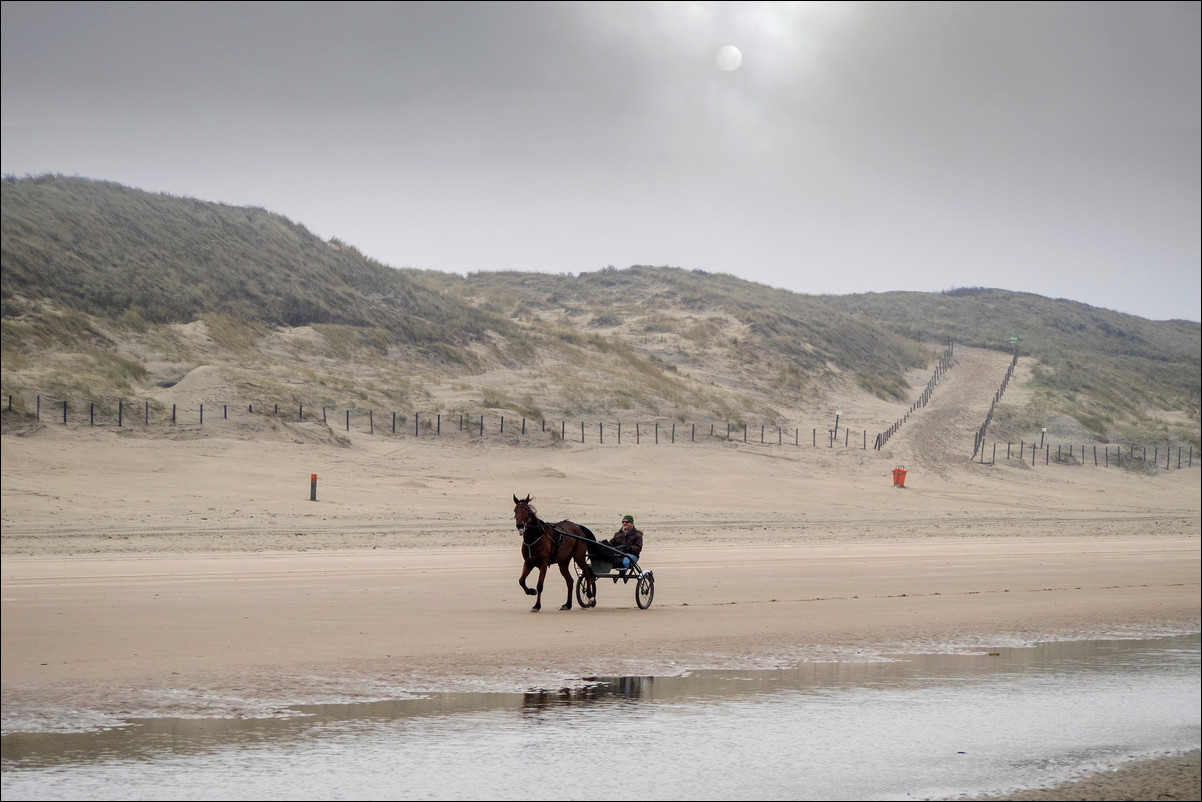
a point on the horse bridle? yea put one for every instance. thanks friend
(543, 526)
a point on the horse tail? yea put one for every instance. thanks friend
(587, 540)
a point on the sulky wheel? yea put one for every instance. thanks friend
(644, 591)
(585, 599)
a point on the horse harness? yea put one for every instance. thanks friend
(543, 526)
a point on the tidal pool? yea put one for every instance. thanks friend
(914, 727)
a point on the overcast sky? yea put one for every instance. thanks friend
(857, 147)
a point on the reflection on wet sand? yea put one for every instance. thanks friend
(919, 715)
(597, 691)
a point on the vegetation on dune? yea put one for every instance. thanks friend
(1103, 368)
(688, 314)
(108, 291)
(107, 251)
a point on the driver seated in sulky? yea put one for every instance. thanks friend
(629, 541)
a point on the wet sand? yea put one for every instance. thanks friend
(1169, 778)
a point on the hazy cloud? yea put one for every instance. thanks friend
(1043, 147)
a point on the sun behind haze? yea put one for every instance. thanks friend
(729, 58)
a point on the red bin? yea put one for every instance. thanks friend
(899, 477)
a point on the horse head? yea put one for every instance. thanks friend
(523, 513)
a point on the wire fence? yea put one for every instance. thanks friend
(1167, 455)
(978, 444)
(944, 365)
(148, 414)
(145, 414)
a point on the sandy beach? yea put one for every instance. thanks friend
(201, 564)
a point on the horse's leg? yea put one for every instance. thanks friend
(526, 569)
(567, 577)
(590, 579)
(538, 601)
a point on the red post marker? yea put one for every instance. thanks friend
(312, 487)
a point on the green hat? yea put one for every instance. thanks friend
(627, 518)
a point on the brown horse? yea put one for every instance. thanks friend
(544, 543)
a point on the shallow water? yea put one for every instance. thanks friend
(920, 727)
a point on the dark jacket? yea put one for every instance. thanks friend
(630, 542)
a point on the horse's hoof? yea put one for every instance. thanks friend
(534, 609)
(531, 592)
(566, 607)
